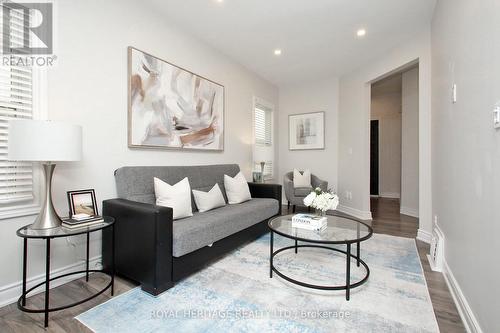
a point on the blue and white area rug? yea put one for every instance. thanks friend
(235, 294)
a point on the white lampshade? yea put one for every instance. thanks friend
(43, 140)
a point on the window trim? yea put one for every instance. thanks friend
(40, 111)
(270, 106)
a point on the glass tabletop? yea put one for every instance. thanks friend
(340, 230)
(26, 232)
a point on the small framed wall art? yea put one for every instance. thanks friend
(82, 201)
(306, 131)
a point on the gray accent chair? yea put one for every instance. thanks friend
(295, 196)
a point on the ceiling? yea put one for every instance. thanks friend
(317, 37)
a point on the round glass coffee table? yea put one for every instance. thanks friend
(340, 230)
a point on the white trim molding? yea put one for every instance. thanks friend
(408, 211)
(469, 319)
(424, 236)
(390, 195)
(10, 293)
(360, 214)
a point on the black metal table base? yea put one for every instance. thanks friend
(21, 302)
(347, 287)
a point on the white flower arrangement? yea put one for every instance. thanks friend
(322, 201)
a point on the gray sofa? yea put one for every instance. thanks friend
(295, 196)
(155, 250)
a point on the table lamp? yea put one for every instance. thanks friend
(47, 142)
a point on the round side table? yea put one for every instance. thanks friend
(48, 234)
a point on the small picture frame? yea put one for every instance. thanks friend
(82, 201)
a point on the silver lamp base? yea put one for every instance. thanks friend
(48, 218)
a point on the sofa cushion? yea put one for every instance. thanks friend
(177, 196)
(236, 189)
(302, 191)
(205, 228)
(136, 183)
(206, 201)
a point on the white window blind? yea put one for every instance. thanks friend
(263, 126)
(16, 101)
(263, 150)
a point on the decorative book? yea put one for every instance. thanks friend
(309, 221)
(79, 223)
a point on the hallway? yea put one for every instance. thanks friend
(388, 220)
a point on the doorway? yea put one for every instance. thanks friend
(394, 146)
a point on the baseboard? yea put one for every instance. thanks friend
(10, 293)
(433, 265)
(390, 195)
(424, 236)
(469, 319)
(362, 215)
(408, 211)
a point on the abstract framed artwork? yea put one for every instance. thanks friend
(306, 131)
(172, 108)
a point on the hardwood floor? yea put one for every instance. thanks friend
(386, 220)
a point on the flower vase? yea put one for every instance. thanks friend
(319, 212)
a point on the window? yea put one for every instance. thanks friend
(16, 101)
(263, 126)
(263, 133)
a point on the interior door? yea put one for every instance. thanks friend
(374, 160)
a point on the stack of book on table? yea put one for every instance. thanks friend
(309, 222)
(82, 220)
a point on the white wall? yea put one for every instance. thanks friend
(466, 151)
(386, 108)
(354, 122)
(89, 87)
(409, 144)
(310, 97)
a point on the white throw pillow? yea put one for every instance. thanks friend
(206, 201)
(236, 189)
(301, 180)
(177, 196)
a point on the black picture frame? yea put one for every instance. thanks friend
(71, 201)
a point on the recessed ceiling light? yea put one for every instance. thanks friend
(361, 32)
(219, 1)
(277, 52)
